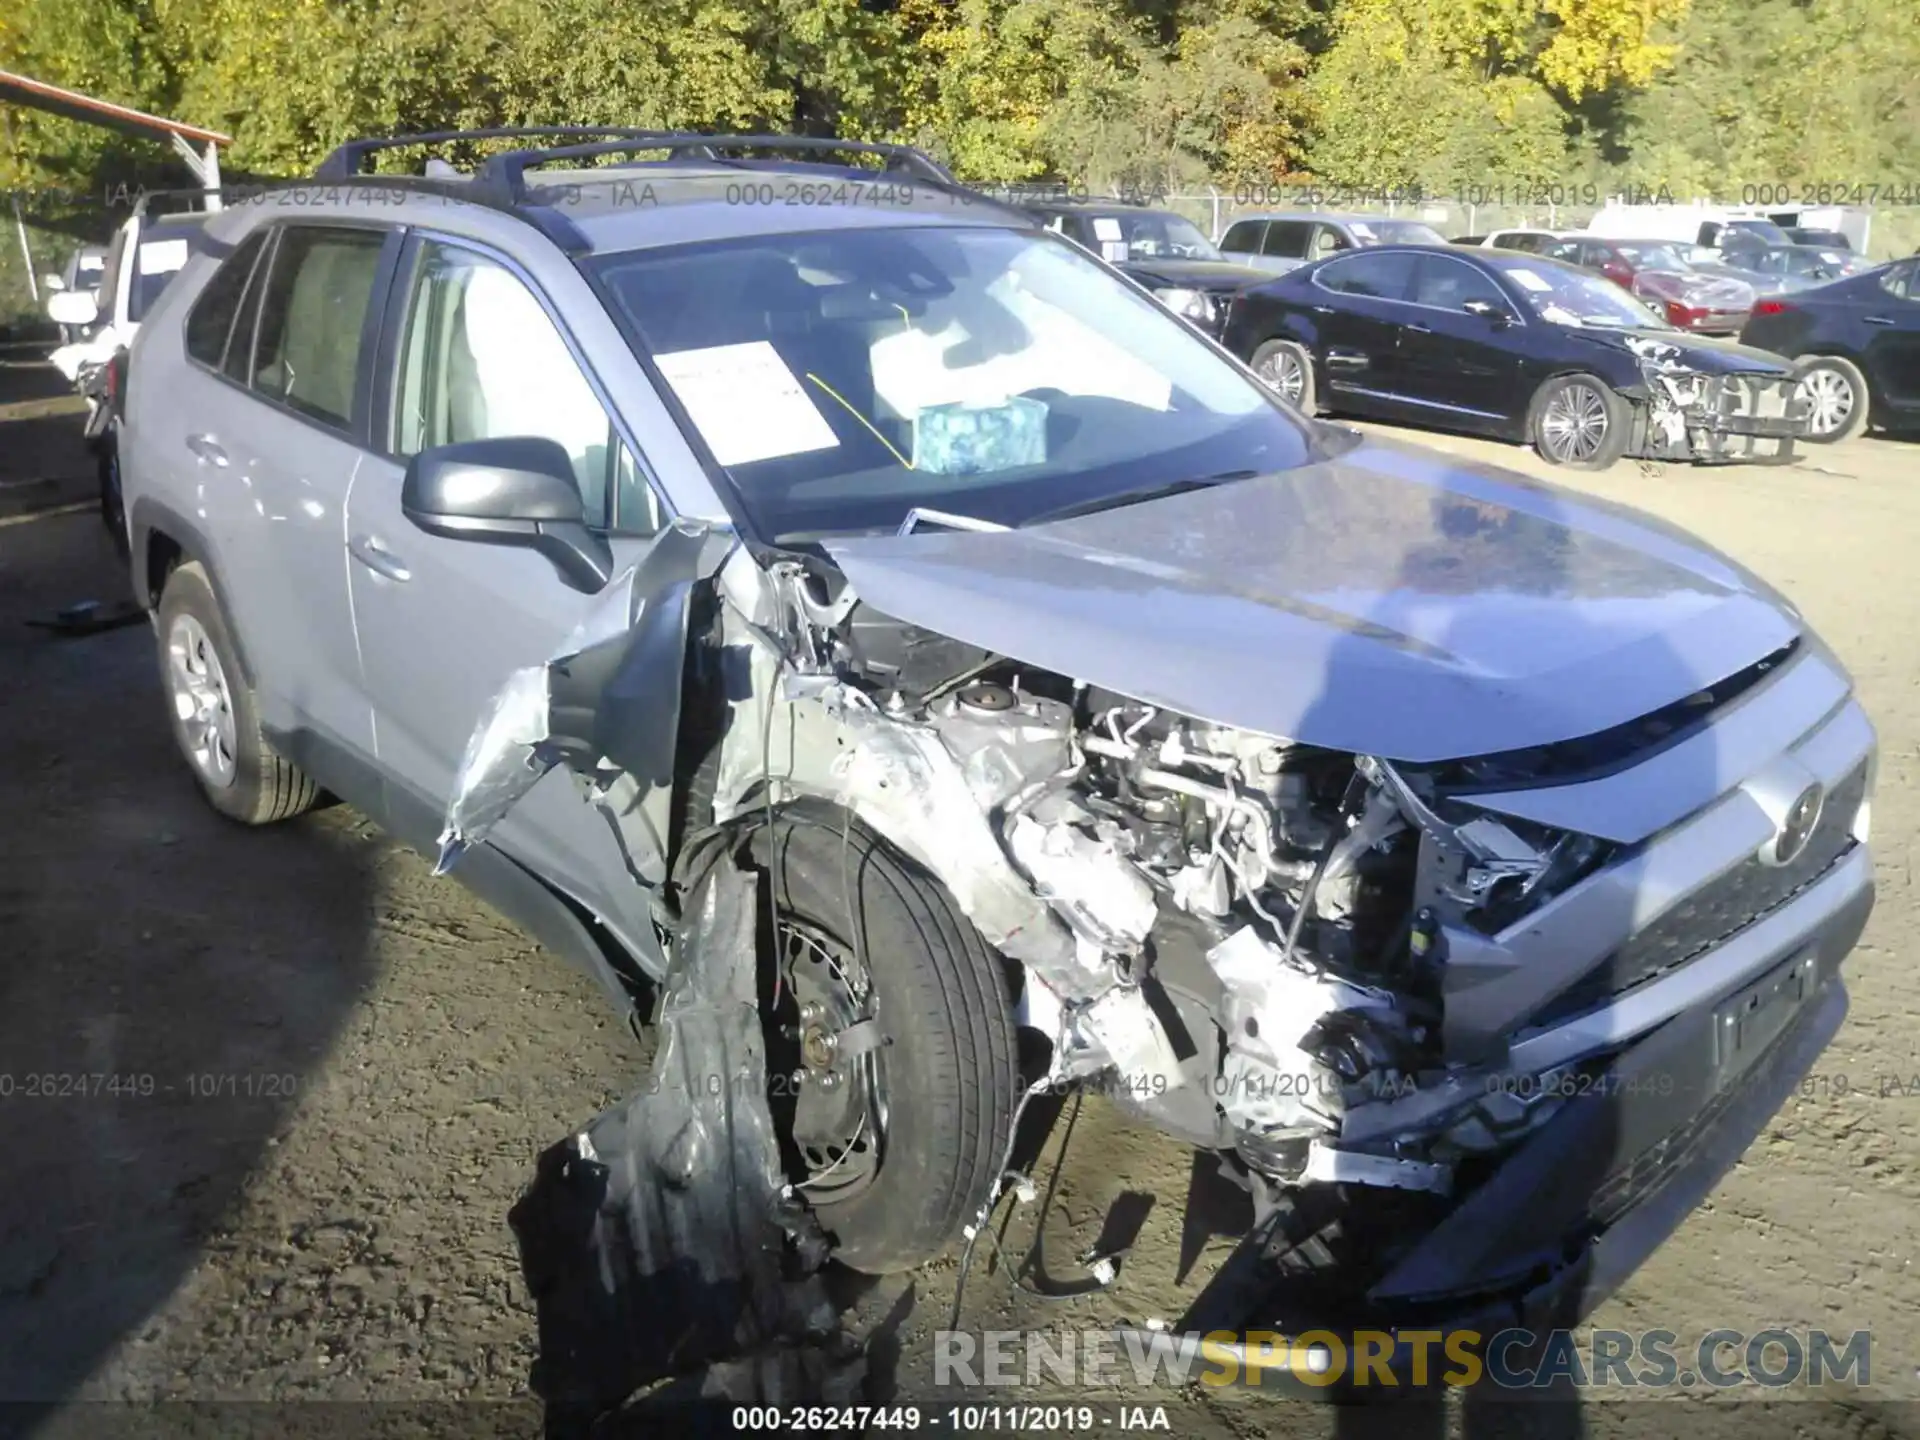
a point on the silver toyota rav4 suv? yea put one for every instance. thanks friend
(1465, 863)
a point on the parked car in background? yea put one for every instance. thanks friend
(146, 253)
(1857, 342)
(1828, 239)
(903, 574)
(1533, 242)
(1516, 346)
(1164, 251)
(1814, 264)
(1689, 296)
(81, 275)
(1282, 242)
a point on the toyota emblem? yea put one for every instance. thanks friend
(1799, 825)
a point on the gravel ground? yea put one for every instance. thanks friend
(297, 1082)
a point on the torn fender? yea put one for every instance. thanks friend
(611, 692)
(663, 1240)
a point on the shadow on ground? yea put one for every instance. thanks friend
(169, 980)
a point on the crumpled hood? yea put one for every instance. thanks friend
(1392, 601)
(1708, 354)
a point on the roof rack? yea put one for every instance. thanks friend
(509, 170)
(500, 182)
(345, 161)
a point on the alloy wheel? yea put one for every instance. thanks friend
(1283, 372)
(202, 703)
(1574, 425)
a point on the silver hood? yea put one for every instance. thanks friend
(1393, 602)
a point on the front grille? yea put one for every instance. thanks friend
(1720, 909)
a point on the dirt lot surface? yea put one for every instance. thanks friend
(266, 1096)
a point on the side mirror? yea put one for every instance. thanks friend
(517, 490)
(72, 307)
(53, 283)
(1495, 314)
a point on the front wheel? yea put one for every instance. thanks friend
(1836, 394)
(895, 1130)
(1579, 422)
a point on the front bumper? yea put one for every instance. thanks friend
(1572, 1219)
(1751, 418)
(1705, 1020)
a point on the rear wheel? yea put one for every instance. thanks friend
(1286, 368)
(1836, 394)
(215, 721)
(890, 1043)
(113, 513)
(1579, 422)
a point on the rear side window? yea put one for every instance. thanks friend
(1287, 239)
(1243, 237)
(210, 320)
(1380, 277)
(313, 316)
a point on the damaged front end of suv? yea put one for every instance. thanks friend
(1463, 869)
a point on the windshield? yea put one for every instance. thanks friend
(839, 379)
(1577, 298)
(1645, 256)
(1396, 232)
(1150, 236)
(1739, 231)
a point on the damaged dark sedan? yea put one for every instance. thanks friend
(1465, 863)
(1514, 346)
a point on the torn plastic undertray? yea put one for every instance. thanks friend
(663, 1242)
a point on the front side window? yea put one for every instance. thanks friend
(1449, 284)
(1899, 280)
(481, 359)
(313, 315)
(839, 379)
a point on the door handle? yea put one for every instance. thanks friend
(1418, 328)
(1322, 309)
(368, 550)
(1880, 320)
(206, 448)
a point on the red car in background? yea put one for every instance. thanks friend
(1705, 299)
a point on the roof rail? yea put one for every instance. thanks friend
(509, 169)
(344, 162)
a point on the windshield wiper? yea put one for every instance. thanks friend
(1145, 493)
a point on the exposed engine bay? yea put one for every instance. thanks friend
(1244, 936)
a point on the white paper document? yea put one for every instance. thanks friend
(746, 403)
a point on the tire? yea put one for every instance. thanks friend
(1578, 421)
(1840, 383)
(113, 512)
(947, 1070)
(1287, 369)
(219, 736)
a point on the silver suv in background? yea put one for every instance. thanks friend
(1283, 241)
(1465, 863)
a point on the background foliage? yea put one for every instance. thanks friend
(1160, 93)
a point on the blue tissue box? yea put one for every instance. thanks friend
(976, 439)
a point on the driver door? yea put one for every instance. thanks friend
(474, 353)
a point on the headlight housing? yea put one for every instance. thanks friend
(1195, 305)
